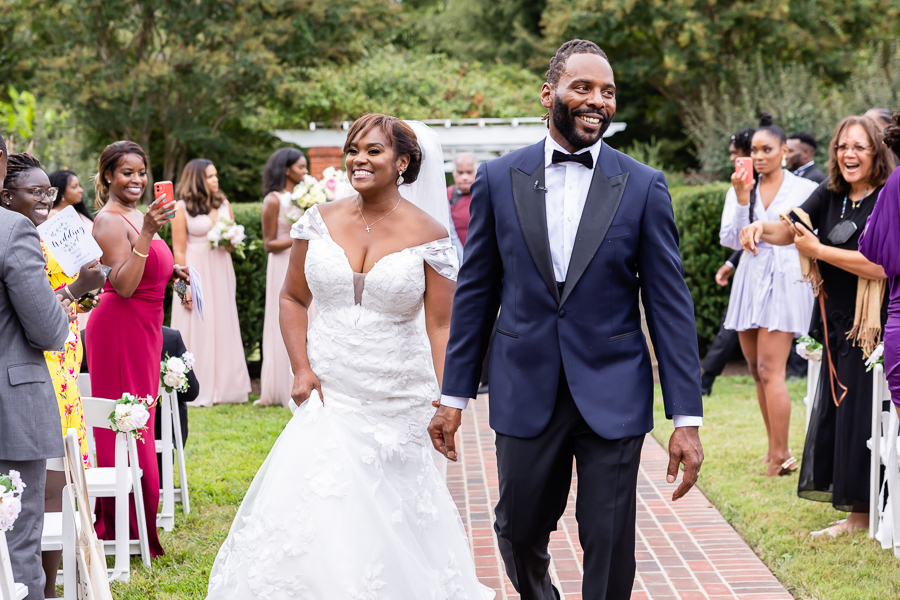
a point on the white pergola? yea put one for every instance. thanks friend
(485, 138)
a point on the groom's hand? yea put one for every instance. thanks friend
(685, 448)
(442, 430)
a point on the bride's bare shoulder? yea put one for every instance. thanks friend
(427, 227)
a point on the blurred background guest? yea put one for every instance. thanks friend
(726, 341)
(880, 243)
(882, 118)
(214, 341)
(32, 322)
(770, 305)
(285, 169)
(72, 194)
(801, 156)
(835, 457)
(460, 197)
(28, 191)
(124, 335)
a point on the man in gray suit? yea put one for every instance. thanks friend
(31, 321)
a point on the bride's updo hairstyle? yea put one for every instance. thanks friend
(399, 135)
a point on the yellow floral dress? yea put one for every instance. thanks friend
(64, 366)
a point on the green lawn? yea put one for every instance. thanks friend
(228, 444)
(767, 512)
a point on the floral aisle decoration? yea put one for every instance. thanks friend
(131, 414)
(809, 349)
(225, 233)
(11, 487)
(173, 372)
(876, 358)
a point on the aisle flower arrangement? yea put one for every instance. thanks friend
(809, 349)
(11, 487)
(173, 372)
(131, 414)
(876, 358)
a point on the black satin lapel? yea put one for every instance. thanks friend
(531, 209)
(600, 206)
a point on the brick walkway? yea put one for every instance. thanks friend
(685, 550)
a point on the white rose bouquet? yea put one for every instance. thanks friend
(173, 372)
(334, 185)
(809, 349)
(11, 487)
(876, 358)
(226, 234)
(131, 414)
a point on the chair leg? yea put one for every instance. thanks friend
(122, 566)
(137, 490)
(166, 518)
(182, 466)
(875, 442)
(68, 555)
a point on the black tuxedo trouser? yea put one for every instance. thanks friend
(535, 477)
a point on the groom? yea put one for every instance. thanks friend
(563, 235)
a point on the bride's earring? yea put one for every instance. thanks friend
(400, 179)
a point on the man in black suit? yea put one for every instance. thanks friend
(801, 156)
(173, 345)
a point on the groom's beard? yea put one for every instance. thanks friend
(564, 121)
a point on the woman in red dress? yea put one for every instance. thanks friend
(124, 339)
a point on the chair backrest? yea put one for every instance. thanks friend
(97, 411)
(84, 384)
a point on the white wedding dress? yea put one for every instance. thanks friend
(349, 504)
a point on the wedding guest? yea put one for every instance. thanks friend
(460, 194)
(882, 118)
(29, 417)
(28, 192)
(801, 156)
(880, 243)
(726, 341)
(769, 304)
(835, 456)
(72, 194)
(285, 169)
(214, 341)
(125, 332)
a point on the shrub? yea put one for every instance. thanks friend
(698, 213)
(250, 275)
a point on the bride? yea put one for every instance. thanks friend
(349, 503)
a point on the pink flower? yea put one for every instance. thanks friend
(331, 184)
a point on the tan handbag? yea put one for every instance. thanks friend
(92, 581)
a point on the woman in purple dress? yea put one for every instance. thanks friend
(880, 243)
(124, 335)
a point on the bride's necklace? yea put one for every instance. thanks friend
(369, 226)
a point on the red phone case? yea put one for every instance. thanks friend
(747, 165)
(164, 187)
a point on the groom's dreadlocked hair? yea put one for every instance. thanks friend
(558, 62)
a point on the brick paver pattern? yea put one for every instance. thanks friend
(685, 550)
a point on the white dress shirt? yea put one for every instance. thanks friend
(567, 186)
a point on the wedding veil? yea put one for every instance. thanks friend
(429, 190)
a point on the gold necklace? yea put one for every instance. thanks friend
(368, 226)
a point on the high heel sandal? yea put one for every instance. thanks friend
(789, 466)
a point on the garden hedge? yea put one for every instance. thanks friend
(697, 214)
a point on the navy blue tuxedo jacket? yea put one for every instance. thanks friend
(626, 242)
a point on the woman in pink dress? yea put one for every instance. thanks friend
(285, 169)
(215, 341)
(124, 335)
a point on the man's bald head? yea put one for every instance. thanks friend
(464, 172)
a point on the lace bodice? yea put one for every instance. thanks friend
(373, 347)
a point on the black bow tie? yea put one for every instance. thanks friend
(584, 158)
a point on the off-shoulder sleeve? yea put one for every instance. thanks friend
(880, 240)
(310, 226)
(441, 255)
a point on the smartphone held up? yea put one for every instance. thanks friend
(747, 165)
(166, 189)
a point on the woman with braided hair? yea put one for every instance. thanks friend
(769, 304)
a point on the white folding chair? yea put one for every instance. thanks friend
(812, 387)
(877, 444)
(61, 528)
(170, 428)
(9, 589)
(117, 482)
(84, 384)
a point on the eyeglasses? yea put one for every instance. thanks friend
(843, 148)
(38, 193)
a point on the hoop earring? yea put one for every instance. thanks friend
(400, 179)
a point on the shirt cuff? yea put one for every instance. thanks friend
(729, 263)
(454, 402)
(687, 421)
